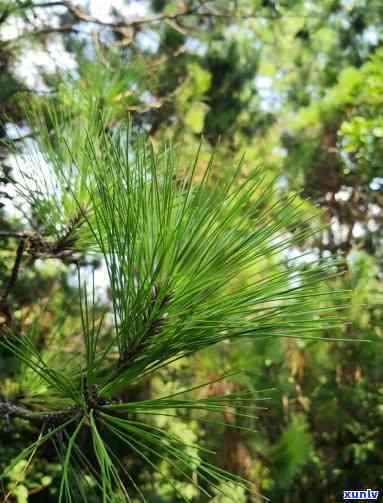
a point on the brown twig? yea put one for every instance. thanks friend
(9, 410)
(47, 30)
(203, 10)
(154, 329)
(14, 273)
(14, 234)
(38, 246)
(67, 239)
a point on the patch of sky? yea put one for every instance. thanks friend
(33, 174)
(103, 9)
(358, 230)
(148, 40)
(281, 152)
(374, 210)
(295, 258)
(96, 277)
(344, 194)
(195, 46)
(322, 60)
(372, 225)
(271, 100)
(13, 131)
(31, 61)
(346, 158)
(371, 35)
(376, 183)
(281, 183)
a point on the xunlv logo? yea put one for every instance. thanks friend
(368, 494)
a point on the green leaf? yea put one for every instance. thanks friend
(201, 79)
(195, 117)
(21, 493)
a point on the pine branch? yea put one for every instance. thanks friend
(9, 410)
(4, 306)
(46, 30)
(67, 239)
(38, 246)
(14, 234)
(154, 329)
(12, 410)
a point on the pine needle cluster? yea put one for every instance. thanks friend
(190, 264)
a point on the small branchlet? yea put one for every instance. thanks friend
(67, 240)
(10, 410)
(5, 311)
(154, 328)
(36, 245)
(93, 399)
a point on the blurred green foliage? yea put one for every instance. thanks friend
(297, 86)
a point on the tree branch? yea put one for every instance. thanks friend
(14, 273)
(81, 16)
(38, 246)
(203, 10)
(9, 410)
(14, 234)
(155, 326)
(47, 30)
